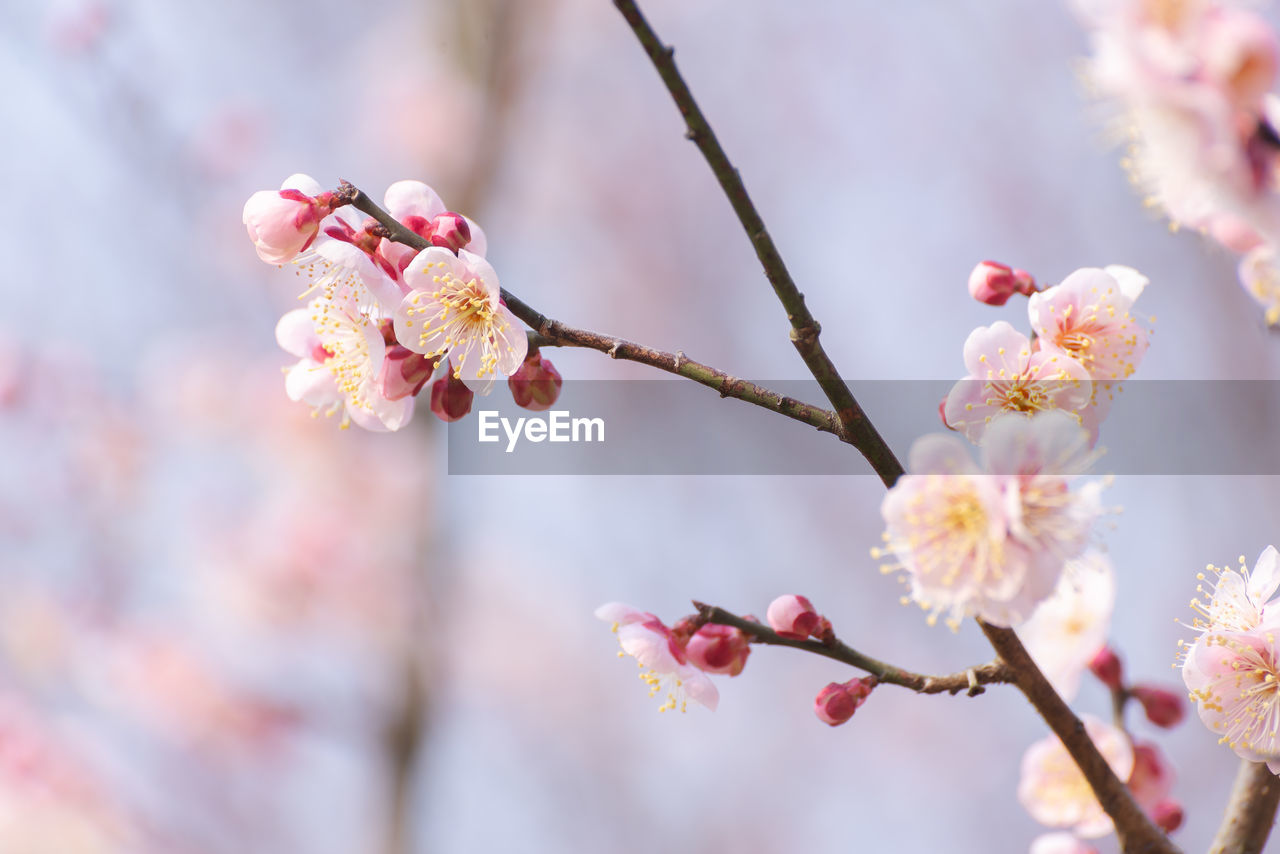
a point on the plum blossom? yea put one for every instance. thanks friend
(1087, 318)
(341, 350)
(454, 308)
(1260, 277)
(1055, 792)
(1061, 843)
(1006, 375)
(1069, 628)
(1239, 601)
(284, 222)
(993, 283)
(991, 542)
(664, 666)
(718, 649)
(421, 210)
(1152, 778)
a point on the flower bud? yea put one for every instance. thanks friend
(1151, 779)
(993, 283)
(450, 397)
(1164, 708)
(1168, 816)
(1106, 666)
(284, 222)
(536, 384)
(837, 702)
(792, 617)
(451, 231)
(403, 373)
(718, 649)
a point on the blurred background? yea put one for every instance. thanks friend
(226, 626)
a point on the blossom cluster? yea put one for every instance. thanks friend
(1190, 83)
(1232, 667)
(382, 317)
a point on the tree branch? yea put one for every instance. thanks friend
(971, 680)
(856, 428)
(1137, 834)
(1251, 811)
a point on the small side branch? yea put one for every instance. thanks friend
(1251, 812)
(971, 681)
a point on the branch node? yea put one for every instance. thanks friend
(679, 358)
(613, 351)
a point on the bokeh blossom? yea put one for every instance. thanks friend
(1054, 790)
(991, 542)
(1069, 628)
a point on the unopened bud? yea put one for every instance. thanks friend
(792, 617)
(837, 702)
(536, 383)
(1151, 779)
(451, 231)
(993, 283)
(284, 222)
(1106, 666)
(450, 397)
(1164, 708)
(718, 649)
(1168, 816)
(404, 373)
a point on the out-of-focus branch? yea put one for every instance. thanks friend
(1251, 811)
(555, 333)
(402, 742)
(1137, 834)
(856, 428)
(970, 680)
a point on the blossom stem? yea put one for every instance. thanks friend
(971, 680)
(1250, 812)
(553, 333)
(856, 428)
(1137, 834)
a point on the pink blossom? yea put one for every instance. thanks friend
(1163, 707)
(1239, 602)
(993, 283)
(1007, 376)
(792, 616)
(991, 543)
(1069, 628)
(664, 666)
(284, 222)
(1054, 790)
(454, 308)
(1260, 277)
(1234, 680)
(450, 398)
(340, 349)
(836, 703)
(1061, 843)
(536, 385)
(1152, 777)
(718, 649)
(420, 209)
(1087, 318)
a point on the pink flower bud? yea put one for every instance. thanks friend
(1106, 666)
(837, 702)
(993, 283)
(1164, 708)
(536, 383)
(1151, 779)
(451, 231)
(403, 373)
(283, 222)
(450, 398)
(1168, 816)
(792, 617)
(718, 649)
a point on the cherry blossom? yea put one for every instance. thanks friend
(1055, 792)
(454, 308)
(664, 666)
(1006, 375)
(1069, 628)
(284, 222)
(991, 542)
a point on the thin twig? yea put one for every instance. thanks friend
(1251, 811)
(554, 333)
(970, 680)
(857, 429)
